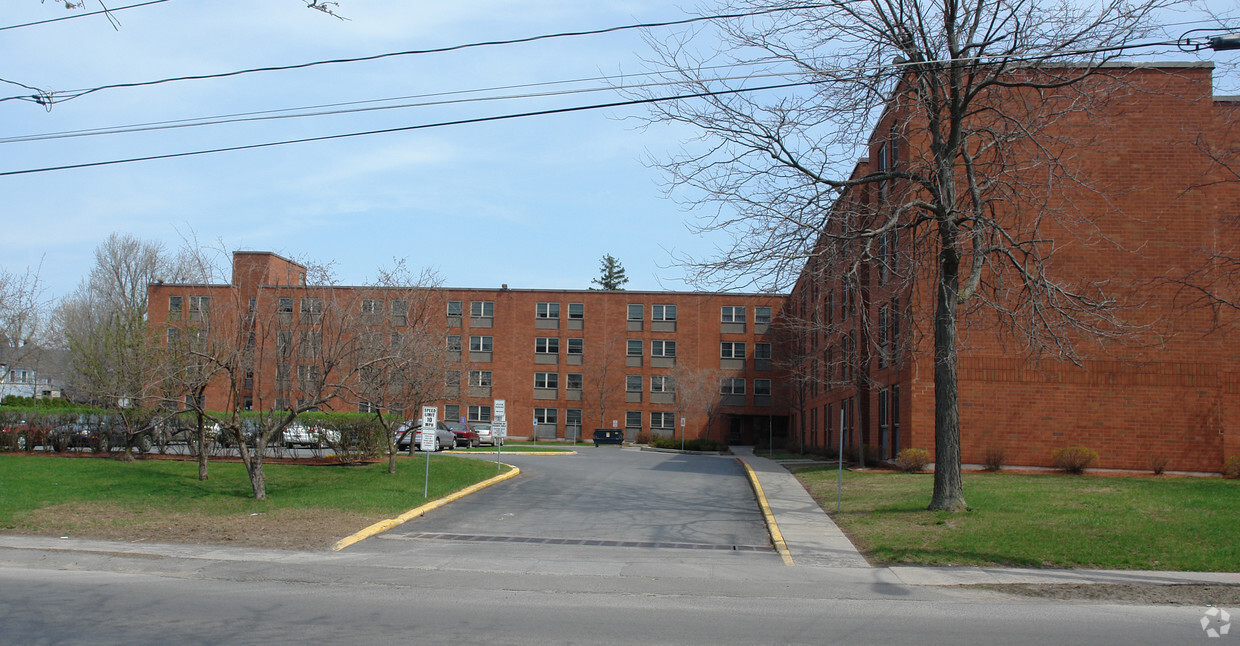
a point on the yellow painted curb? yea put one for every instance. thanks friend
(384, 525)
(776, 537)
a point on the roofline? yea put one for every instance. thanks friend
(485, 289)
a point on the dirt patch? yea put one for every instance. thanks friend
(1125, 593)
(290, 529)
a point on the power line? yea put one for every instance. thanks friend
(326, 109)
(81, 15)
(425, 126)
(572, 109)
(46, 97)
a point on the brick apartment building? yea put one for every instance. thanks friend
(1152, 212)
(565, 362)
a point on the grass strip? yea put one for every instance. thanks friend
(1137, 523)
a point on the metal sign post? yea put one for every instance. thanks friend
(499, 429)
(430, 415)
(682, 433)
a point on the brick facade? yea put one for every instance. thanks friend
(1148, 211)
(514, 327)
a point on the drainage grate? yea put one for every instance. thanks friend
(586, 541)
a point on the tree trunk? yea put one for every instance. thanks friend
(201, 438)
(258, 481)
(948, 486)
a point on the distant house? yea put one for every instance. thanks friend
(37, 373)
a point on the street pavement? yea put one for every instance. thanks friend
(538, 559)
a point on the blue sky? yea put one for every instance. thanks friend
(532, 203)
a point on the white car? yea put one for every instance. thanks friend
(485, 437)
(312, 437)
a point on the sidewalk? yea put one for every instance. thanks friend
(814, 540)
(812, 537)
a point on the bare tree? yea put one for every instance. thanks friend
(402, 366)
(697, 394)
(275, 354)
(599, 377)
(960, 126)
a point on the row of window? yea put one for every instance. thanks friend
(667, 384)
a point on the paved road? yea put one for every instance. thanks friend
(613, 494)
(406, 587)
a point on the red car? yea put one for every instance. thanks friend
(466, 436)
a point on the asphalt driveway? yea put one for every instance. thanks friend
(607, 496)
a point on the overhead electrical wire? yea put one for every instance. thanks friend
(328, 109)
(572, 109)
(82, 15)
(47, 98)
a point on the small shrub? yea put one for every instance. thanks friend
(1074, 459)
(995, 457)
(643, 438)
(1231, 466)
(689, 445)
(912, 460)
(1158, 464)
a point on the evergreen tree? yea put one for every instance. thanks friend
(611, 274)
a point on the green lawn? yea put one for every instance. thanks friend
(1141, 523)
(171, 489)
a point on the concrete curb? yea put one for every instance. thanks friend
(776, 537)
(384, 525)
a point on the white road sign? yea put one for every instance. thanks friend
(430, 414)
(499, 428)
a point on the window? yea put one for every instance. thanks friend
(663, 313)
(451, 412)
(174, 308)
(547, 380)
(174, 335)
(479, 413)
(635, 312)
(479, 344)
(762, 387)
(662, 420)
(311, 308)
(371, 306)
(548, 311)
(733, 314)
(576, 346)
(547, 416)
(633, 383)
(762, 351)
(284, 343)
(662, 384)
(480, 378)
(732, 350)
(884, 348)
(572, 417)
(572, 381)
(311, 343)
(762, 315)
(309, 377)
(547, 345)
(282, 377)
(633, 419)
(285, 306)
(199, 305)
(576, 311)
(400, 312)
(454, 308)
(482, 309)
(633, 348)
(662, 348)
(732, 386)
(454, 343)
(452, 379)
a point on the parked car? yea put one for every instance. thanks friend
(311, 437)
(485, 437)
(464, 434)
(409, 437)
(100, 433)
